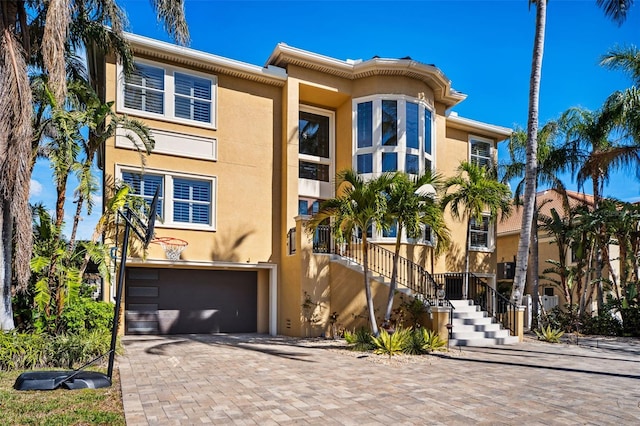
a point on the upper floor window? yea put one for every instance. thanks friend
(392, 133)
(315, 145)
(184, 201)
(162, 91)
(481, 152)
(480, 235)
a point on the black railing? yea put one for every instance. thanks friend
(380, 261)
(492, 302)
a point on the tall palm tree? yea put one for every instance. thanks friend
(360, 205)
(411, 207)
(55, 27)
(531, 163)
(475, 193)
(617, 11)
(550, 159)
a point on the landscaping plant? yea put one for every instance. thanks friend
(551, 335)
(392, 344)
(359, 340)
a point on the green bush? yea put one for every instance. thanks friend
(360, 340)
(31, 350)
(392, 344)
(22, 350)
(87, 314)
(422, 341)
(551, 335)
(604, 324)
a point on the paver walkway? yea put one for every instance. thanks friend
(254, 379)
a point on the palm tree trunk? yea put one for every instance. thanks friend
(599, 242)
(6, 310)
(531, 152)
(367, 286)
(76, 221)
(535, 273)
(465, 290)
(394, 275)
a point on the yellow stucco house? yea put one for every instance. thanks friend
(244, 154)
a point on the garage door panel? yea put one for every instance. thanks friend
(197, 301)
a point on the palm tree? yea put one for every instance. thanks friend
(550, 160)
(476, 193)
(412, 205)
(56, 26)
(625, 59)
(617, 11)
(361, 205)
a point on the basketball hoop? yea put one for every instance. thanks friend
(172, 246)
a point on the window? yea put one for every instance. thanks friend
(314, 147)
(185, 201)
(191, 201)
(392, 132)
(170, 93)
(307, 207)
(548, 291)
(392, 232)
(479, 233)
(481, 153)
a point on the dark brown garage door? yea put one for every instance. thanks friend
(180, 301)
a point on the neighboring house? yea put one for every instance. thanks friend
(244, 154)
(509, 236)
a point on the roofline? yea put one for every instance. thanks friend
(284, 55)
(171, 52)
(456, 121)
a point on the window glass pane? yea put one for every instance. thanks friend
(427, 234)
(365, 124)
(412, 125)
(303, 210)
(427, 131)
(192, 86)
(412, 164)
(428, 165)
(192, 201)
(314, 134)
(365, 163)
(315, 207)
(144, 88)
(481, 153)
(192, 109)
(389, 123)
(145, 187)
(479, 233)
(392, 232)
(313, 171)
(389, 161)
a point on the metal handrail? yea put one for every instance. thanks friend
(492, 302)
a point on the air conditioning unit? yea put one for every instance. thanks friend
(506, 270)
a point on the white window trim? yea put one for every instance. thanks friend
(169, 93)
(315, 189)
(168, 176)
(377, 149)
(491, 143)
(491, 241)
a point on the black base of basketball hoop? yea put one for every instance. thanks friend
(172, 247)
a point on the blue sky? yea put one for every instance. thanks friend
(483, 46)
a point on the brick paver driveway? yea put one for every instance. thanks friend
(254, 379)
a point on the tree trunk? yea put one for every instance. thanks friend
(394, 275)
(6, 309)
(465, 290)
(76, 221)
(367, 286)
(599, 242)
(535, 273)
(531, 168)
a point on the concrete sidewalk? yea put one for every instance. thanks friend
(255, 379)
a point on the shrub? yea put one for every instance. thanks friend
(360, 340)
(550, 335)
(392, 344)
(86, 314)
(422, 341)
(605, 324)
(22, 350)
(432, 341)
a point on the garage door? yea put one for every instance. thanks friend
(181, 301)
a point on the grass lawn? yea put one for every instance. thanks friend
(60, 407)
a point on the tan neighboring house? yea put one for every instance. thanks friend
(509, 235)
(244, 154)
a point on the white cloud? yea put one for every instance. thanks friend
(35, 188)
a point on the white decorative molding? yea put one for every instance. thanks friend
(173, 143)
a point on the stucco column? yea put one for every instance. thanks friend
(519, 325)
(439, 321)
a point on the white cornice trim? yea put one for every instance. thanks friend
(170, 52)
(284, 55)
(455, 121)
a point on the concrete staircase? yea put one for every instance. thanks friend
(473, 327)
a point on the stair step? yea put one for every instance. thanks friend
(470, 335)
(477, 327)
(511, 340)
